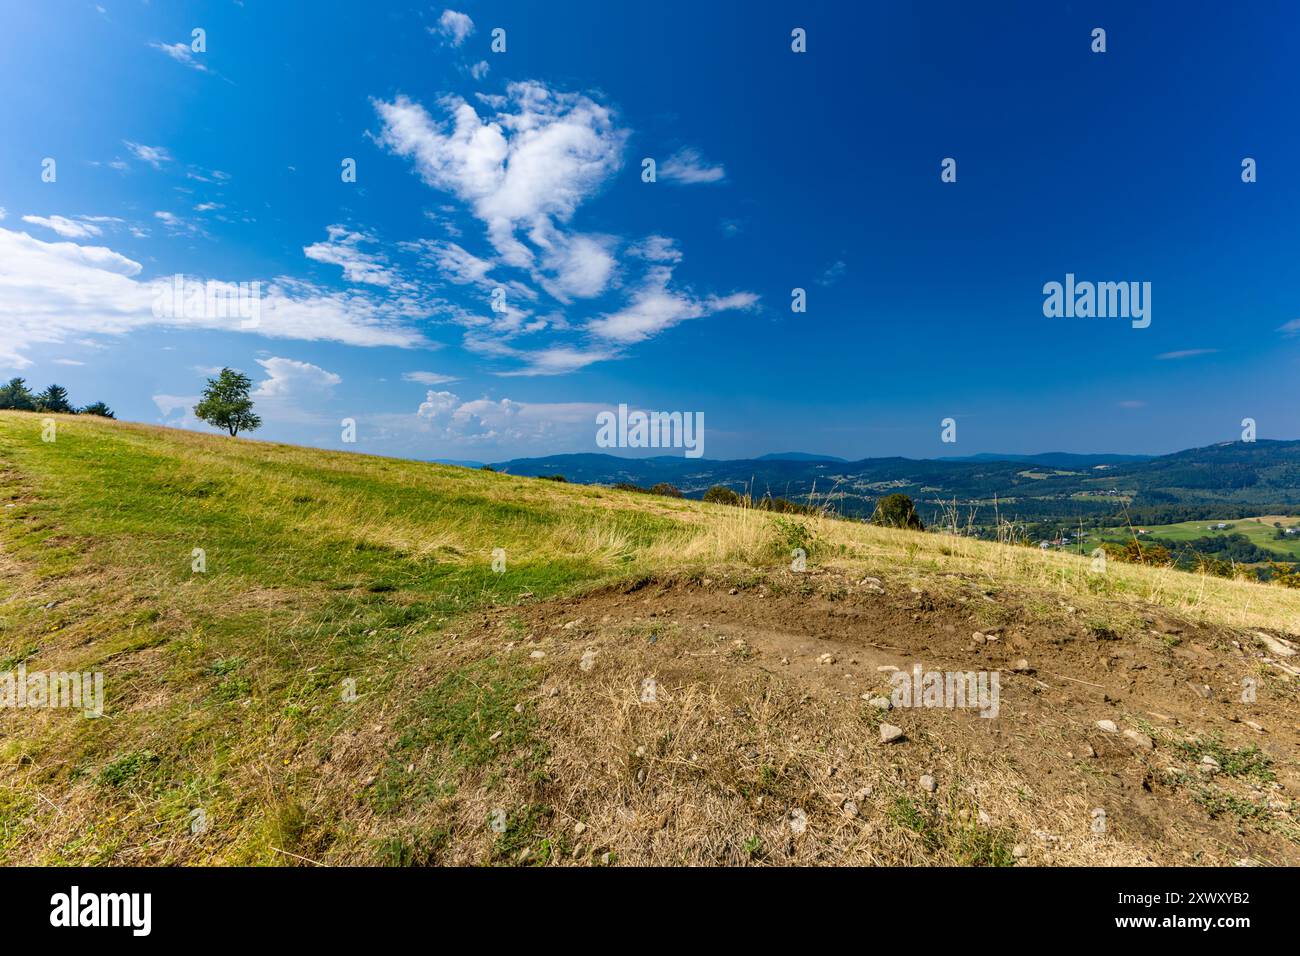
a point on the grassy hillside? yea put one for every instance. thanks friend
(479, 734)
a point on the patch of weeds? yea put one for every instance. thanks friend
(454, 724)
(753, 848)
(521, 827)
(964, 842)
(906, 813)
(789, 534)
(284, 827)
(1218, 802)
(1248, 762)
(127, 768)
(1102, 631)
(232, 685)
(418, 848)
(13, 660)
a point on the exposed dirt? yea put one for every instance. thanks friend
(755, 746)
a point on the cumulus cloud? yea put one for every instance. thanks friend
(487, 422)
(531, 163)
(689, 167)
(454, 26)
(290, 378)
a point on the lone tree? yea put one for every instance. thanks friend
(54, 399)
(897, 511)
(225, 403)
(16, 395)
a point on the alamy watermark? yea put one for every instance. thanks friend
(977, 690)
(179, 298)
(53, 689)
(651, 430)
(1100, 300)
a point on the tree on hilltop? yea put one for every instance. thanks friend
(225, 403)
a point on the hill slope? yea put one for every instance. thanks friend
(339, 675)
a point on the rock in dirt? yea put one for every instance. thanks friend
(928, 784)
(889, 734)
(1140, 740)
(1107, 725)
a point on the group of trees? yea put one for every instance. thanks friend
(15, 395)
(225, 402)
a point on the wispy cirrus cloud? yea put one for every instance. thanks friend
(429, 378)
(689, 167)
(68, 228)
(181, 53)
(155, 156)
(1184, 354)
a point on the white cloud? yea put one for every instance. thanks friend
(2, 213)
(428, 378)
(456, 263)
(68, 228)
(480, 69)
(574, 266)
(181, 53)
(290, 378)
(1184, 353)
(155, 156)
(656, 249)
(1290, 328)
(533, 165)
(485, 422)
(342, 249)
(832, 273)
(54, 292)
(68, 362)
(655, 307)
(688, 166)
(176, 225)
(454, 26)
(178, 410)
(523, 163)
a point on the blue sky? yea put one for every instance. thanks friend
(522, 171)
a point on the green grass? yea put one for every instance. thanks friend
(1262, 534)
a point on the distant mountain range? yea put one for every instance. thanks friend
(1235, 477)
